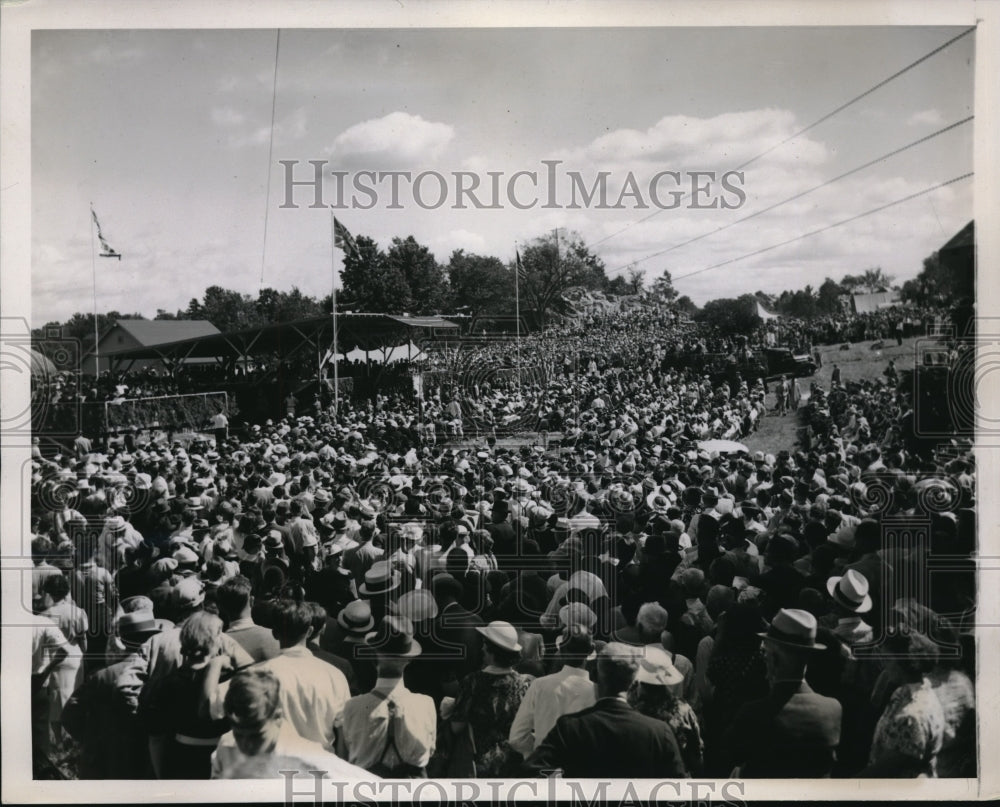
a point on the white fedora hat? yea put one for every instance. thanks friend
(851, 591)
(793, 627)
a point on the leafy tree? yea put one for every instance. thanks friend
(686, 305)
(828, 297)
(551, 268)
(618, 286)
(730, 317)
(868, 282)
(370, 282)
(425, 279)
(281, 306)
(636, 280)
(875, 280)
(226, 309)
(480, 283)
(663, 287)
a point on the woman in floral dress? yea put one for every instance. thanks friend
(653, 693)
(487, 701)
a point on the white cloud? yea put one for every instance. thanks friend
(294, 127)
(227, 116)
(926, 117)
(685, 143)
(398, 134)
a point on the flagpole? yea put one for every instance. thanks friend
(93, 265)
(333, 306)
(517, 310)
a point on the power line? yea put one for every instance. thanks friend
(270, 149)
(827, 227)
(799, 195)
(815, 123)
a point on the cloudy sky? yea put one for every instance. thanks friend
(167, 133)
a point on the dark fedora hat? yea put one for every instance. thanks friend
(394, 637)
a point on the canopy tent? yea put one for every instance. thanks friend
(388, 355)
(42, 365)
(764, 314)
(286, 339)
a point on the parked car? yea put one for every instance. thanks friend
(781, 361)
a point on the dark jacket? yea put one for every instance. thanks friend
(102, 719)
(791, 733)
(610, 739)
(450, 652)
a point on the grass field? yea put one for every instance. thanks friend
(857, 364)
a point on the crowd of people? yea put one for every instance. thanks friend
(893, 322)
(389, 591)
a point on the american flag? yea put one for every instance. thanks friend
(342, 239)
(522, 275)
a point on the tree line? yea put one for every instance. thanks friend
(405, 277)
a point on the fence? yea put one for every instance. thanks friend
(174, 412)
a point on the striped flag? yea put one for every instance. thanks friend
(106, 250)
(522, 275)
(342, 239)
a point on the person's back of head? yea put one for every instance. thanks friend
(577, 645)
(292, 622)
(234, 597)
(56, 586)
(868, 536)
(319, 617)
(651, 621)
(617, 665)
(200, 638)
(253, 707)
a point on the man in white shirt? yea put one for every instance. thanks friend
(313, 692)
(552, 696)
(262, 743)
(390, 731)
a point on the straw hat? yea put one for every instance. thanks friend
(502, 634)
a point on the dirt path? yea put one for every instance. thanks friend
(857, 364)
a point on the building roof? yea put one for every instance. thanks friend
(963, 239)
(149, 332)
(369, 331)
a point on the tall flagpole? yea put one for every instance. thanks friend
(517, 314)
(333, 306)
(93, 264)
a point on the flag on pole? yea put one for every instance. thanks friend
(522, 275)
(342, 239)
(106, 250)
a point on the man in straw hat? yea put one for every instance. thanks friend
(610, 739)
(390, 730)
(851, 602)
(792, 732)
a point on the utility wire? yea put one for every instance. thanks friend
(799, 195)
(827, 227)
(270, 151)
(815, 123)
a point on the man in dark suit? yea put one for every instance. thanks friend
(610, 739)
(454, 647)
(792, 733)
